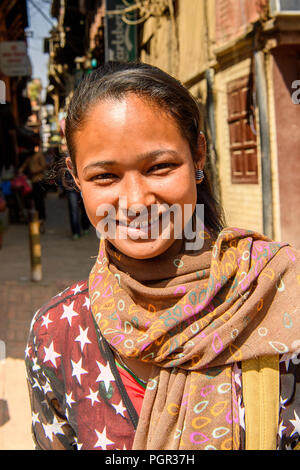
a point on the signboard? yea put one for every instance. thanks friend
(120, 37)
(14, 61)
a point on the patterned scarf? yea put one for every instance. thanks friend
(193, 317)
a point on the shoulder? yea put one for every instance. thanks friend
(59, 319)
(77, 294)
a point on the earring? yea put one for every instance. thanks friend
(199, 175)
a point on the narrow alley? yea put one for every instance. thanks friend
(64, 261)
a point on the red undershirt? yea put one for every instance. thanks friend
(135, 391)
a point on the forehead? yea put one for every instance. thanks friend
(128, 109)
(131, 123)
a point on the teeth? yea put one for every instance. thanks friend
(144, 224)
(138, 224)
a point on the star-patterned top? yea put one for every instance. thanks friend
(77, 396)
(76, 402)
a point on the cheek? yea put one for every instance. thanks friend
(183, 190)
(92, 200)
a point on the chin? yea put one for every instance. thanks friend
(142, 249)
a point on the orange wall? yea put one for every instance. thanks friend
(233, 16)
(286, 71)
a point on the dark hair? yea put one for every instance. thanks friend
(116, 79)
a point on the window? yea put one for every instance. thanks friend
(285, 6)
(243, 146)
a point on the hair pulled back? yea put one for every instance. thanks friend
(114, 80)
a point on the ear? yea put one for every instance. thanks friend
(70, 167)
(200, 155)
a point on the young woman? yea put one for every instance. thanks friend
(156, 350)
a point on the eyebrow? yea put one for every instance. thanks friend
(141, 157)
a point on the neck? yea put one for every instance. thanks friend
(140, 369)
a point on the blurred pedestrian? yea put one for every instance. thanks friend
(2, 211)
(79, 221)
(8, 142)
(35, 166)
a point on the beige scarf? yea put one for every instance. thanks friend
(194, 316)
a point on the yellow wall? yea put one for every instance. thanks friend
(242, 202)
(180, 49)
(193, 43)
(157, 34)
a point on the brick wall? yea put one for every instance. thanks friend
(242, 202)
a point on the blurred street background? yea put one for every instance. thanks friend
(64, 261)
(240, 59)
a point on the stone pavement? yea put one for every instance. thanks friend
(64, 261)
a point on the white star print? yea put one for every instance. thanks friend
(237, 374)
(283, 401)
(69, 313)
(77, 443)
(77, 370)
(35, 418)
(102, 441)
(119, 408)
(281, 429)
(50, 354)
(36, 366)
(77, 288)
(46, 320)
(82, 337)
(54, 428)
(69, 399)
(36, 384)
(47, 388)
(62, 292)
(87, 303)
(27, 351)
(93, 396)
(105, 375)
(286, 358)
(57, 426)
(241, 413)
(296, 423)
(48, 431)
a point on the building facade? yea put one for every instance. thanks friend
(240, 60)
(13, 22)
(74, 42)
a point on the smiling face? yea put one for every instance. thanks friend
(131, 155)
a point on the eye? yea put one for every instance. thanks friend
(104, 177)
(161, 166)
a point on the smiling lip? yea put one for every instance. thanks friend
(139, 225)
(141, 228)
(142, 225)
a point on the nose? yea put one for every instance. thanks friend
(136, 195)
